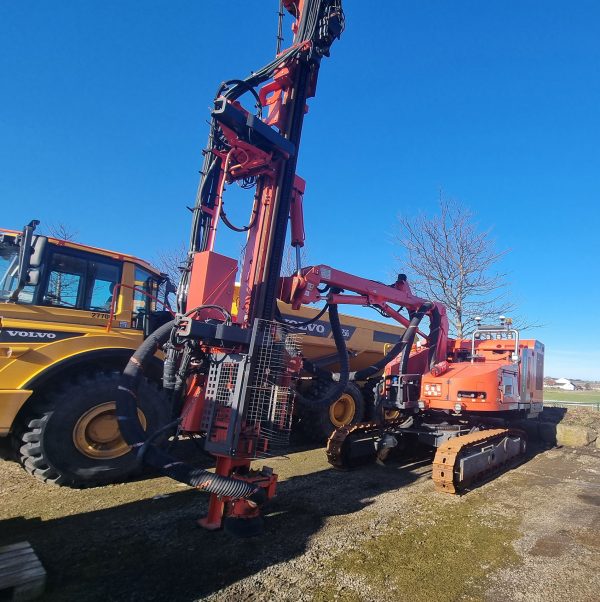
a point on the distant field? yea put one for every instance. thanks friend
(581, 396)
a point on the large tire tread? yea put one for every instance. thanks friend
(35, 425)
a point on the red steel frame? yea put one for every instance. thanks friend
(303, 288)
(243, 160)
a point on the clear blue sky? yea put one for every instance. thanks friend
(103, 108)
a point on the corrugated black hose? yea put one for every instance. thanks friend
(134, 434)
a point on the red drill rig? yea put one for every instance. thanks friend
(464, 406)
(231, 379)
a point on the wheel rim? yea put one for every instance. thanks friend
(342, 411)
(97, 435)
(391, 414)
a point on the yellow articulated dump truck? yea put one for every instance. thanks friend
(71, 315)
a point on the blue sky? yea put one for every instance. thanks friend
(103, 109)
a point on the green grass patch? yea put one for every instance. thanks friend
(580, 396)
(442, 554)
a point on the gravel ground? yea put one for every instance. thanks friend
(378, 533)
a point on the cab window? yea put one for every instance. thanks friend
(147, 282)
(65, 281)
(9, 268)
(81, 282)
(102, 280)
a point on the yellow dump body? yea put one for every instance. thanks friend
(366, 340)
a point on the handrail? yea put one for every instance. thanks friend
(500, 330)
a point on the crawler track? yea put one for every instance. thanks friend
(341, 441)
(468, 459)
(459, 463)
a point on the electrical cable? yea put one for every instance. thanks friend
(279, 318)
(225, 313)
(226, 221)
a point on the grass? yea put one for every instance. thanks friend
(444, 554)
(580, 396)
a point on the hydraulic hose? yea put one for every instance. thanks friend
(405, 353)
(434, 336)
(343, 376)
(434, 332)
(405, 342)
(134, 434)
(280, 319)
(407, 337)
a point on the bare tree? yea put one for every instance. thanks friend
(172, 261)
(62, 231)
(450, 260)
(62, 288)
(288, 262)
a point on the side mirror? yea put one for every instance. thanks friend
(30, 258)
(515, 358)
(38, 247)
(170, 287)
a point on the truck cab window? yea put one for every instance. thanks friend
(102, 280)
(80, 282)
(65, 280)
(142, 303)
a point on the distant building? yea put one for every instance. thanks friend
(580, 385)
(567, 384)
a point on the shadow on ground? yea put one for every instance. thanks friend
(152, 550)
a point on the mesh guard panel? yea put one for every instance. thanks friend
(250, 397)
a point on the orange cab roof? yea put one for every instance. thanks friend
(89, 249)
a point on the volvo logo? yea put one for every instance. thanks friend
(32, 334)
(22, 335)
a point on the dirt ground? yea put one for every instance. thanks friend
(378, 533)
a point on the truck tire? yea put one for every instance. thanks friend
(348, 409)
(71, 437)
